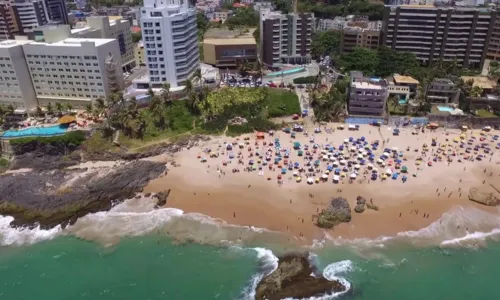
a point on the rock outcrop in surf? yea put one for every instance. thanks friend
(338, 211)
(292, 279)
(360, 204)
(50, 198)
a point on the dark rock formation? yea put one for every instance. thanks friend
(162, 198)
(485, 196)
(293, 278)
(44, 197)
(338, 211)
(360, 204)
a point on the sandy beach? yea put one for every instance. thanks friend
(249, 199)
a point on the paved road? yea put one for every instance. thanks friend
(304, 101)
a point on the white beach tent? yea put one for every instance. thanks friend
(353, 175)
(388, 171)
(336, 178)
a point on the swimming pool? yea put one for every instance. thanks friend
(445, 108)
(36, 131)
(287, 72)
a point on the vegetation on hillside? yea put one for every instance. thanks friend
(332, 8)
(243, 17)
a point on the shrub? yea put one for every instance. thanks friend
(70, 138)
(305, 80)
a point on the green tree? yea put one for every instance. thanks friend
(325, 43)
(50, 109)
(197, 76)
(360, 59)
(89, 109)
(165, 95)
(69, 107)
(59, 107)
(136, 37)
(244, 66)
(243, 17)
(202, 24)
(39, 111)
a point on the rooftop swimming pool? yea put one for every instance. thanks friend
(445, 108)
(287, 72)
(36, 131)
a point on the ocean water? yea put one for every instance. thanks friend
(133, 252)
(154, 268)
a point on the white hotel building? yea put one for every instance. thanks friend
(15, 81)
(61, 69)
(170, 38)
(74, 70)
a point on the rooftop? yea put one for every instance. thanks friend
(74, 42)
(480, 81)
(405, 79)
(366, 85)
(230, 41)
(12, 43)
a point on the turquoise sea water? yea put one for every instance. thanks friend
(152, 267)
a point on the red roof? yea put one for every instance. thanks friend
(236, 5)
(135, 29)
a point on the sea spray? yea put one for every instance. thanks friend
(21, 236)
(268, 263)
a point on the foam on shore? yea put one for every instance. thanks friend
(10, 236)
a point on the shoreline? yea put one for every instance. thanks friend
(247, 199)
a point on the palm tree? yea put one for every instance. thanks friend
(69, 107)
(476, 92)
(157, 109)
(100, 106)
(39, 111)
(244, 67)
(394, 102)
(197, 77)
(258, 67)
(50, 109)
(165, 92)
(59, 107)
(88, 108)
(189, 88)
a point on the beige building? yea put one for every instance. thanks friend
(229, 52)
(139, 54)
(113, 27)
(353, 37)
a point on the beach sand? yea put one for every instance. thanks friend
(245, 198)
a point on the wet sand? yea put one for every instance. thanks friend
(247, 199)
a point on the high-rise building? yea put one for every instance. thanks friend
(20, 17)
(114, 27)
(439, 33)
(31, 14)
(285, 38)
(170, 39)
(8, 21)
(353, 37)
(493, 52)
(58, 11)
(16, 87)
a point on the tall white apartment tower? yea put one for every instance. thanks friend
(170, 40)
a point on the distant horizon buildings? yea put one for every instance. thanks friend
(21, 17)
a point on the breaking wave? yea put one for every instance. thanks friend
(23, 236)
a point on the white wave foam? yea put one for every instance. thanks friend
(451, 229)
(471, 239)
(23, 236)
(268, 264)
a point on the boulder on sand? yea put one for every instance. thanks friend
(338, 211)
(360, 204)
(292, 279)
(162, 198)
